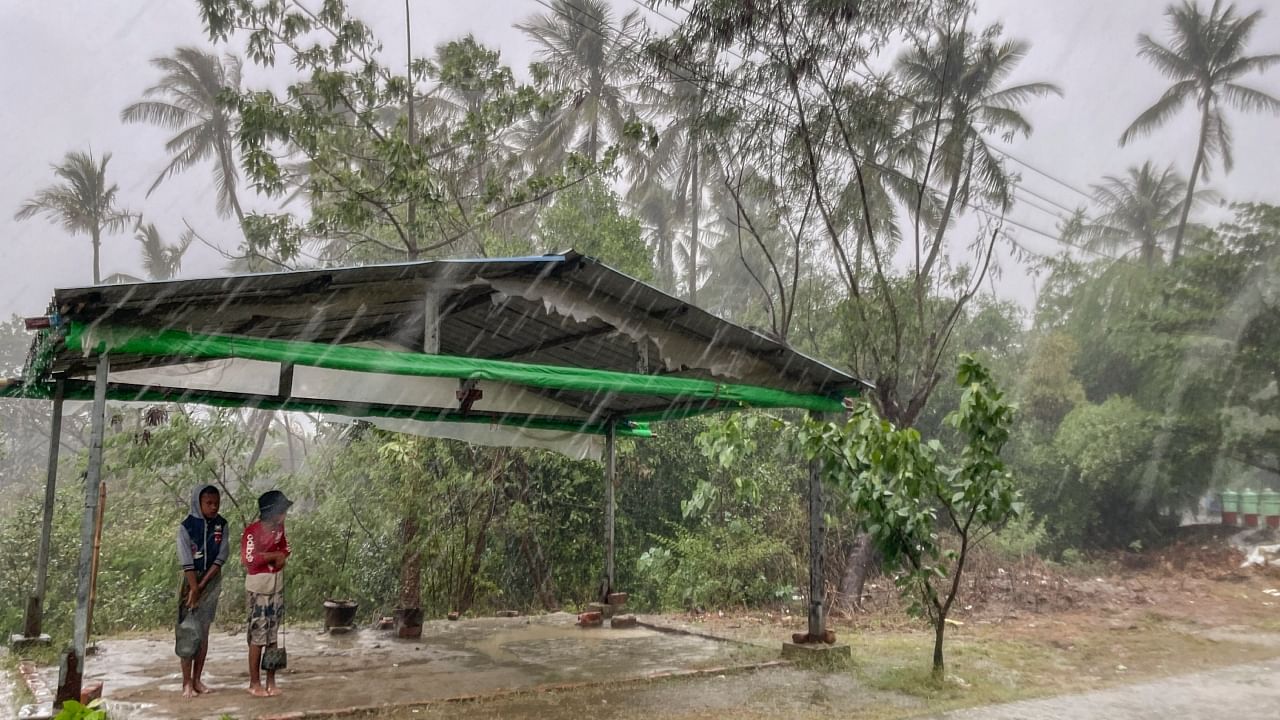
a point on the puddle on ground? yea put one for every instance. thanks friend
(371, 668)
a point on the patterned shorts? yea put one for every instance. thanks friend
(265, 612)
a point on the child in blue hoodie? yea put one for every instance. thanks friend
(202, 550)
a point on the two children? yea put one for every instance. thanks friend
(203, 549)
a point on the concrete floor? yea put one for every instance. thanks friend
(370, 668)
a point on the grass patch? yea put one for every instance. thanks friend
(991, 666)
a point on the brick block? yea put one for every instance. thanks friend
(453, 615)
(508, 613)
(618, 598)
(90, 692)
(590, 619)
(623, 621)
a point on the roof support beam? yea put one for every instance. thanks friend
(555, 342)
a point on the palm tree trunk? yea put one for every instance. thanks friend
(695, 192)
(97, 255)
(1191, 184)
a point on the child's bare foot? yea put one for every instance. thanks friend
(202, 688)
(257, 691)
(273, 690)
(188, 691)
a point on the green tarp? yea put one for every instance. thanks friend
(179, 344)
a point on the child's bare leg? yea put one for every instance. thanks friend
(188, 690)
(255, 677)
(272, 688)
(197, 672)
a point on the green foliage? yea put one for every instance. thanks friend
(1172, 361)
(72, 710)
(588, 218)
(905, 495)
(718, 565)
(392, 171)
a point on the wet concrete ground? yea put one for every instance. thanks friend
(370, 668)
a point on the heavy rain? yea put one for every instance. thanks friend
(640, 358)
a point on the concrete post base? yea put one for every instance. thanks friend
(18, 641)
(817, 653)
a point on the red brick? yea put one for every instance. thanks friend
(590, 619)
(90, 692)
(618, 598)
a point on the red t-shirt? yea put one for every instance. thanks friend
(257, 539)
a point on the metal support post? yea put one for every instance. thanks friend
(817, 554)
(73, 664)
(610, 505)
(35, 604)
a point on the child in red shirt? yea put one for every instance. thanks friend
(264, 550)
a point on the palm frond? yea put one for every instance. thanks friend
(1248, 99)
(1158, 114)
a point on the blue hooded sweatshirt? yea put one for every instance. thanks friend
(202, 543)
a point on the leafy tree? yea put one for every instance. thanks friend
(1206, 59)
(83, 202)
(189, 99)
(371, 179)
(907, 496)
(796, 108)
(588, 218)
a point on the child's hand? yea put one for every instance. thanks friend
(193, 599)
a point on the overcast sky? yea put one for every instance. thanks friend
(73, 64)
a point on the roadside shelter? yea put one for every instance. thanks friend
(556, 351)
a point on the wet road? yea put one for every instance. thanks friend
(1240, 691)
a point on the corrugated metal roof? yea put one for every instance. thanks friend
(387, 303)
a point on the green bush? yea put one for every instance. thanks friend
(718, 565)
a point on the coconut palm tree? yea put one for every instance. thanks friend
(958, 81)
(186, 100)
(1140, 208)
(83, 202)
(590, 63)
(160, 260)
(1205, 59)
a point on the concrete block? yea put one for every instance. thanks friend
(42, 711)
(409, 632)
(820, 654)
(508, 613)
(618, 598)
(18, 641)
(605, 610)
(620, 622)
(453, 615)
